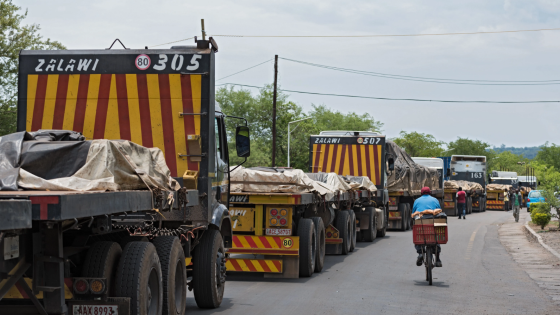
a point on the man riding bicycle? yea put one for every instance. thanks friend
(426, 202)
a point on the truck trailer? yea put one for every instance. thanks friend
(130, 251)
(438, 165)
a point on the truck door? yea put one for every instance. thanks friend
(221, 179)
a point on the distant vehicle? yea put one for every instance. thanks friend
(534, 196)
(527, 181)
(438, 165)
(471, 168)
(505, 178)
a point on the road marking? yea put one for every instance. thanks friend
(471, 244)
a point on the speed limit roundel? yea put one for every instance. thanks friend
(142, 62)
(287, 242)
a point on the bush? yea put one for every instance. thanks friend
(540, 213)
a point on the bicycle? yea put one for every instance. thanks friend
(429, 234)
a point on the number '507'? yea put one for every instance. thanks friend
(177, 62)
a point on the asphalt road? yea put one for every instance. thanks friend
(478, 277)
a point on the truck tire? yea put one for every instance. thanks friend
(383, 231)
(402, 210)
(307, 247)
(483, 206)
(354, 233)
(345, 230)
(370, 234)
(209, 270)
(172, 261)
(320, 235)
(132, 238)
(139, 278)
(102, 260)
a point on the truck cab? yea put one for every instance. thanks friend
(471, 168)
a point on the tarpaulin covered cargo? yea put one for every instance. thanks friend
(465, 185)
(407, 175)
(62, 160)
(331, 179)
(498, 187)
(360, 183)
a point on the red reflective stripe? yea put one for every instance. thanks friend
(359, 152)
(122, 101)
(325, 158)
(376, 165)
(262, 251)
(21, 290)
(278, 241)
(264, 265)
(60, 102)
(39, 102)
(334, 161)
(265, 242)
(250, 265)
(236, 242)
(102, 106)
(249, 240)
(43, 203)
(167, 118)
(342, 160)
(277, 264)
(144, 103)
(188, 120)
(317, 159)
(69, 283)
(81, 103)
(235, 265)
(351, 158)
(368, 167)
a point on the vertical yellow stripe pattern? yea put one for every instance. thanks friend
(31, 91)
(50, 100)
(112, 128)
(346, 166)
(71, 99)
(178, 122)
(155, 111)
(338, 158)
(330, 158)
(313, 166)
(133, 109)
(321, 159)
(363, 149)
(355, 159)
(91, 105)
(379, 165)
(372, 163)
(196, 87)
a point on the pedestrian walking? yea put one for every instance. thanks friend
(461, 202)
(516, 204)
(506, 199)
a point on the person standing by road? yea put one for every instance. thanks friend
(516, 204)
(461, 202)
(506, 199)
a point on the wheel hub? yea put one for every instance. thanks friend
(221, 268)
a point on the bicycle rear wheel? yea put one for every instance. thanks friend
(429, 264)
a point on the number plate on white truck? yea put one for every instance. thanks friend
(287, 232)
(95, 310)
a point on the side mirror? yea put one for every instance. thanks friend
(391, 162)
(242, 141)
(448, 173)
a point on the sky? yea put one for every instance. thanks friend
(523, 56)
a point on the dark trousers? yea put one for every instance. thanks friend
(419, 248)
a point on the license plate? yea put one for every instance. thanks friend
(393, 207)
(95, 310)
(278, 232)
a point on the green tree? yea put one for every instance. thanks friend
(14, 37)
(466, 146)
(550, 155)
(508, 161)
(419, 144)
(257, 109)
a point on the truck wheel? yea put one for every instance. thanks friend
(402, 210)
(209, 270)
(132, 238)
(139, 278)
(383, 231)
(370, 234)
(307, 247)
(354, 230)
(320, 234)
(172, 260)
(101, 261)
(345, 230)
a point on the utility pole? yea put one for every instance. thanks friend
(203, 31)
(274, 111)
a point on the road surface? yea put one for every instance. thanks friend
(478, 277)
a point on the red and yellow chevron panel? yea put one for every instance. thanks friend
(143, 108)
(495, 202)
(265, 245)
(495, 207)
(254, 265)
(17, 292)
(449, 205)
(348, 159)
(475, 204)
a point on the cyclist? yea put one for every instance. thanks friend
(425, 202)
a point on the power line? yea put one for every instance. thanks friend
(391, 35)
(262, 63)
(427, 79)
(397, 99)
(181, 40)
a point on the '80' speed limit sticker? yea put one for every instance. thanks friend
(142, 62)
